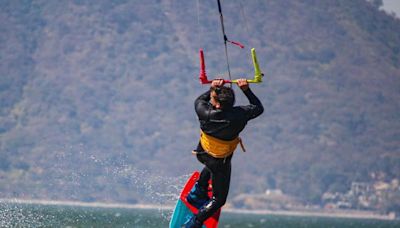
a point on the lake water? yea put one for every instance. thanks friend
(38, 215)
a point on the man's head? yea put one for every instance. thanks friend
(222, 97)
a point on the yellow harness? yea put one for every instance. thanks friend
(219, 148)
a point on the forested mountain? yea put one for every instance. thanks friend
(97, 96)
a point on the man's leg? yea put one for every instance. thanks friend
(198, 196)
(205, 176)
(221, 174)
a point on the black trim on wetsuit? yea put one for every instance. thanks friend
(225, 125)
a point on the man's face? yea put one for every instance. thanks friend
(213, 100)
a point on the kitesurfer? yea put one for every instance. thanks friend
(220, 124)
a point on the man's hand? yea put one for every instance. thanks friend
(217, 83)
(243, 84)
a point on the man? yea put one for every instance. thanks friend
(220, 124)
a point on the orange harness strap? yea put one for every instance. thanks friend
(219, 148)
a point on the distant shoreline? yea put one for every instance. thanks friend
(323, 213)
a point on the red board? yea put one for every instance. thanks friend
(211, 222)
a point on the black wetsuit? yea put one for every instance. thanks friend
(224, 125)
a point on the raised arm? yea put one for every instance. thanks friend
(255, 108)
(202, 106)
(202, 103)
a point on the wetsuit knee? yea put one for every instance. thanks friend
(210, 208)
(219, 202)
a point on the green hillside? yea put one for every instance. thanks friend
(97, 97)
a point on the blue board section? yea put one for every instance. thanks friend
(184, 210)
(180, 216)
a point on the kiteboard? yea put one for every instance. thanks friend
(184, 210)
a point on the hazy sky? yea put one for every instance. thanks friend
(392, 6)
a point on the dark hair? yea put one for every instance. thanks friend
(225, 96)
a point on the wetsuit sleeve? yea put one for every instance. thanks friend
(255, 108)
(201, 105)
